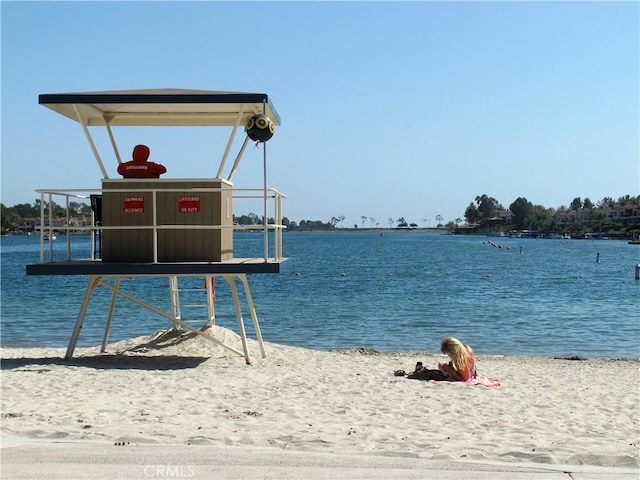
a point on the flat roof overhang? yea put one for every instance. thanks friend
(99, 268)
(160, 107)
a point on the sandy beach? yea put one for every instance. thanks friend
(181, 390)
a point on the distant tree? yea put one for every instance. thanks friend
(451, 226)
(363, 218)
(552, 223)
(390, 221)
(628, 200)
(314, 225)
(597, 215)
(372, 221)
(576, 204)
(439, 220)
(605, 202)
(521, 210)
(471, 214)
(401, 220)
(76, 207)
(85, 210)
(250, 219)
(587, 204)
(539, 217)
(10, 218)
(487, 206)
(26, 210)
(333, 221)
(57, 210)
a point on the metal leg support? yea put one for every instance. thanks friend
(231, 280)
(91, 286)
(211, 300)
(175, 299)
(114, 295)
(252, 310)
(173, 319)
(97, 280)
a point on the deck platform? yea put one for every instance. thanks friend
(97, 267)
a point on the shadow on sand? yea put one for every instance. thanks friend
(130, 358)
(107, 362)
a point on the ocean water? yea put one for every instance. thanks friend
(396, 291)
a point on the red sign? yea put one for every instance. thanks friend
(189, 204)
(133, 204)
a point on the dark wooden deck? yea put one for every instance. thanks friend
(97, 267)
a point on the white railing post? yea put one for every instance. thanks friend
(155, 228)
(175, 299)
(278, 231)
(266, 209)
(42, 227)
(50, 227)
(68, 235)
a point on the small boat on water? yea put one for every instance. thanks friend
(49, 237)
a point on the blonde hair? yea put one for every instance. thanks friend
(456, 351)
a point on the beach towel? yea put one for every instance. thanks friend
(437, 376)
(484, 381)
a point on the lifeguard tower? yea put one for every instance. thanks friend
(166, 227)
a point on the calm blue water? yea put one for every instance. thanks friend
(401, 291)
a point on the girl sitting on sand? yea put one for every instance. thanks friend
(462, 366)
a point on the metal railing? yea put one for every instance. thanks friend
(50, 197)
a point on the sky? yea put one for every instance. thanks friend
(388, 109)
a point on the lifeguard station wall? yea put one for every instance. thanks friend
(179, 203)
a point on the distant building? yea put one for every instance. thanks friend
(621, 214)
(625, 214)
